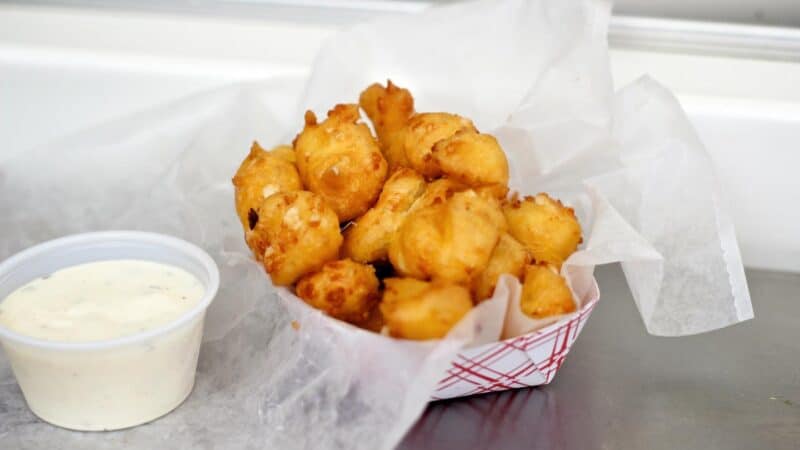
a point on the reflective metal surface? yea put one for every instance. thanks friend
(736, 388)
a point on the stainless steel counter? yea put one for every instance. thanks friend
(736, 388)
(620, 389)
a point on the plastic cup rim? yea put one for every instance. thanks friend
(163, 240)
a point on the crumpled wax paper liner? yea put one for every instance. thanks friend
(533, 72)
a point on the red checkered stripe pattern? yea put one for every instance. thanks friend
(528, 360)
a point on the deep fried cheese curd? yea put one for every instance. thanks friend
(389, 109)
(452, 240)
(508, 256)
(474, 159)
(437, 191)
(548, 229)
(367, 239)
(545, 292)
(414, 309)
(344, 289)
(340, 161)
(285, 152)
(374, 321)
(423, 131)
(295, 234)
(260, 175)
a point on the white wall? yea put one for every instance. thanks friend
(53, 83)
(765, 12)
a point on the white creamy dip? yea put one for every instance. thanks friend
(94, 385)
(101, 300)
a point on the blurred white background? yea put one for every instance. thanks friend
(65, 66)
(765, 12)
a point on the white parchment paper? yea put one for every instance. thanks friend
(533, 72)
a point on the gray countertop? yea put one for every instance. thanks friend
(619, 388)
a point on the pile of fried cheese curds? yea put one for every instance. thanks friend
(405, 232)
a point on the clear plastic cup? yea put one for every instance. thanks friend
(115, 383)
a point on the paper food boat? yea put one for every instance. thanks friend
(523, 361)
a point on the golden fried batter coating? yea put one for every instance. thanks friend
(285, 152)
(474, 159)
(340, 161)
(295, 234)
(389, 109)
(374, 321)
(344, 289)
(545, 292)
(367, 239)
(451, 240)
(437, 191)
(487, 206)
(509, 256)
(423, 132)
(260, 175)
(546, 227)
(414, 309)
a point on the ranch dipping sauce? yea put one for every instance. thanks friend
(108, 344)
(100, 300)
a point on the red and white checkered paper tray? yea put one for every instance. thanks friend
(528, 360)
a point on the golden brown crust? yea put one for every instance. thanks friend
(367, 239)
(451, 240)
(340, 161)
(260, 175)
(374, 321)
(474, 159)
(344, 289)
(548, 229)
(389, 109)
(545, 292)
(296, 233)
(414, 309)
(423, 132)
(437, 192)
(509, 256)
(284, 152)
